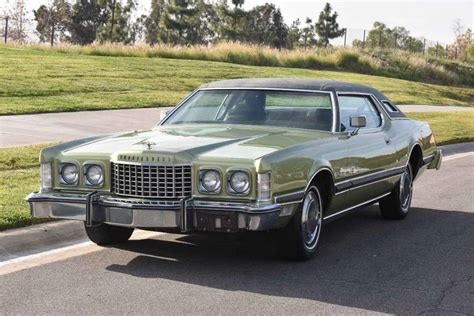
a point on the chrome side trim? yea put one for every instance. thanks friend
(356, 206)
(369, 175)
(366, 184)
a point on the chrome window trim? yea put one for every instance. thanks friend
(397, 110)
(177, 106)
(388, 114)
(330, 93)
(375, 103)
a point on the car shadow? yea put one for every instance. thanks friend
(364, 262)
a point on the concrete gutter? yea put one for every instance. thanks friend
(38, 238)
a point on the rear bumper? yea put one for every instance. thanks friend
(181, 215)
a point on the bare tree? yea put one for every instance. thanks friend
(18, 21)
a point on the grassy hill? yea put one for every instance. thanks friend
(34, 81)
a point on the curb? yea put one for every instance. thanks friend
(38, 238)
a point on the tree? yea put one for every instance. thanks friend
(18, 21)
(294, 34)
(464, 38)
(264, 25)
(238, 3)
(153, 24)
(231, 21)
(279, 31)
(308, 35)
(52, 22)
(87, 17)
(180, 19)
(327, 27)
(381, 36)
(118, 25)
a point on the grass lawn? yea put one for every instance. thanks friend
(19, 168)
(449, 127)
(19, 176)
(33, 81)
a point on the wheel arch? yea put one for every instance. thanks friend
(323, 178)
(415, 158)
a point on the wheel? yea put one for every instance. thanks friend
(301, 236)
(397, 204)
(104, 234)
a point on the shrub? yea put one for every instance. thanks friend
(390, 63)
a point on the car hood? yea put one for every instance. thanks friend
(176, 143)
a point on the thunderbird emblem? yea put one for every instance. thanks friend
(149, 145)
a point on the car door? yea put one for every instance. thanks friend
(371, 153)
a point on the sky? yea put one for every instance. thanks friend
(430, 19)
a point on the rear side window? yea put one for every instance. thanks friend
(389, 106)
(358, 105)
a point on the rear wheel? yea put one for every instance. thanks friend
(104, 234)
(301, 236)
(397, 204)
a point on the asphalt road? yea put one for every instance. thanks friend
(423, 264)
(21, 130)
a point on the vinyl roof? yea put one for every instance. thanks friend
(291, 83)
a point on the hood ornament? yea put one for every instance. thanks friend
(149, 145)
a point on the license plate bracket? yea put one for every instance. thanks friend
(213, 221)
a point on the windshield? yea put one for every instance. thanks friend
(309, 110)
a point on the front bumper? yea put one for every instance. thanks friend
(168, 215)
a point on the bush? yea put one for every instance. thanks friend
(389, 63)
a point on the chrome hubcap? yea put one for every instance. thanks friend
(406, 188)
(311, 219)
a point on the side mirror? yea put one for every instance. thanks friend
(358, 122)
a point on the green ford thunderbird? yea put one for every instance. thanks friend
(252, 154)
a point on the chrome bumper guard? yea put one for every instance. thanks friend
(181, 215)
(435, 163)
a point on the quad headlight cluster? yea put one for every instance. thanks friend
(211, 181)
(69, 174)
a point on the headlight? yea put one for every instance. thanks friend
(46, 176)
(94, 175)
(239, 182)
(69, 173)
(210, 181)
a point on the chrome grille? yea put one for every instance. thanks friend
(151, 181)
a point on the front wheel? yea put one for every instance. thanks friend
(104, 234)
(301, 236)
(397, 204)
